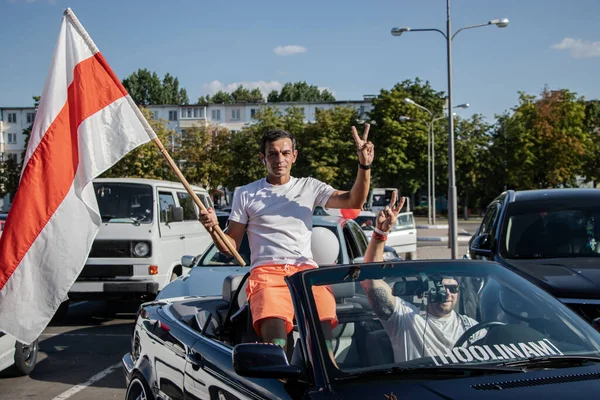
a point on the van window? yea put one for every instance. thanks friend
(205, 200)
(187, 203)
(124, 202)
(167, 202)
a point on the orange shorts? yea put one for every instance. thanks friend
(269, 296)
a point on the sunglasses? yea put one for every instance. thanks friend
(452, 288)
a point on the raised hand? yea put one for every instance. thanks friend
(388, 216)
(364, 148)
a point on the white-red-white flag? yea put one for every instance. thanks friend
(86, 122)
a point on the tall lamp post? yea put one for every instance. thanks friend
(431, 199)
(452, 204)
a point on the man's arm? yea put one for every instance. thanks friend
(355, 198)
(378, 291)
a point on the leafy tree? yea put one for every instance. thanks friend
(299, 92)
(243, 95)
(545, 140)
(472, 141)
(204, 156)
(220, 97)
(401, 147)
(591, 167)
(146, 89)
(10, 174)
(327, 149)
(146, 161)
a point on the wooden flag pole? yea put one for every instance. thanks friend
(197, 200)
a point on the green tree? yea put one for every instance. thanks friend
(472, 141)
(300, 92)
(591, 167)
(204, 156)
(146, 89)
(146, 161)
(327, 149)
(401, 147)
(220, 97)
(545, 140)
(243, 95)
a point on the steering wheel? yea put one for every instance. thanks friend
(474, 329)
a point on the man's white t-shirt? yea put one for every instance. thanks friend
(278, 218)
(406, 327)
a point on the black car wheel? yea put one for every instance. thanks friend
(138, 389)
(25, 357)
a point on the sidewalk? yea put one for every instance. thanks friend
(436, 234)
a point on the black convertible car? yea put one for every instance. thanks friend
(550, 237)
(529, 344)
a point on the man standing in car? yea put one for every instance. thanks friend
(413, 335)
(276, 212)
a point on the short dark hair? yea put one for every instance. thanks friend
(276, 134)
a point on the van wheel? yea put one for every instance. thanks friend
(25, 357)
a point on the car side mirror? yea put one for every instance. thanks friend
(177, 214)
(481, 246)
(187, 261)
(263, 360)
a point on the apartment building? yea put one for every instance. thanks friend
(13, 120)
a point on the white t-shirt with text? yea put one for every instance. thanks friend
(406, 330)
(278, 218)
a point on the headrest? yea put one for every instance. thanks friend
(344, 290)
(325, 246)
(230, 285)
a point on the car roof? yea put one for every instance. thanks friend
(556, 194)
(325, 220)
(153, 182)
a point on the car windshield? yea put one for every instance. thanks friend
(441, 313)
(124, 202)
(546, 231)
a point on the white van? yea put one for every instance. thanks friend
(147, 226)
(379, 198)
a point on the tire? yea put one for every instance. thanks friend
(138, 389)
(26, 357)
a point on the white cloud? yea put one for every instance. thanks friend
(289, 50)
(578, 48)
(265, 87)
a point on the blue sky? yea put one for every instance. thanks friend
(345, 46)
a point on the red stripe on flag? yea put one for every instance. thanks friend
(51, 169)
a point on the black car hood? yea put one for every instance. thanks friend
(563, 277)
(558, 384)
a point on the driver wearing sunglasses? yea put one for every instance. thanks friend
(413, 334)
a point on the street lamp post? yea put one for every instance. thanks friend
(452, 201)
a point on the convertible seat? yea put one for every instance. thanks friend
(379, 348)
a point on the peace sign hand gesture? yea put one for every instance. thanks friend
(365, 149)
(387, 217)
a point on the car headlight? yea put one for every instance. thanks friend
(141, 249)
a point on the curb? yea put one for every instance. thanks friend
(432, 226)
(459, 238)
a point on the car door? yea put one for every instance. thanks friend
(171, 245)
(403, 237)
(488, 225)
(196, 239)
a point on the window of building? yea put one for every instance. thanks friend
(216, 115)
(252, 112)
(302, 110)
(192, 113)
(362, 110)
(11, 138)
(235, 114)
(155, 115)
(30, 117)
(172, 115)
(12, 156)
(12, 117)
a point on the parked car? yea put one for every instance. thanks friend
(147, 226)
(550, 237)
(205, 347)
(22, 357)
(403, 236)
(210, 268)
